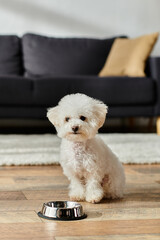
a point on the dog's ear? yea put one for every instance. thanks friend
(100, 111)
(53, 115)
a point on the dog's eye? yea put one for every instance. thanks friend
(67, 119)
(82, 118)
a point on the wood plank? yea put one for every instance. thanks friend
(32, 183)
(21, 205)
(29, 170)
(56, 194)
(6, 181)
(147, 169)
(19, 217)
(12, 195)
(78, 228)
(151, 167)
(153, 196)
(135, 188)
(123, 214)
(32, 238)
(113, 237)
(143, 179)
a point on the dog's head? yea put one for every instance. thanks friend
(77, 117)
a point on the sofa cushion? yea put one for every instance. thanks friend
(48, 91)
(48, 56)
(128, 56)
(10, 55)
(112, 90)
(22, 112)
(15, 90)
(116, 90)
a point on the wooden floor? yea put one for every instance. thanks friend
(24, 189)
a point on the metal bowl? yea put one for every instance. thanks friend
(62, 210)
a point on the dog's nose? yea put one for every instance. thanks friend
(75, 129)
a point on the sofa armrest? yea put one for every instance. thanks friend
(154, 67)
(154, 72)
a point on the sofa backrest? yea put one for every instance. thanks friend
(10, 55)
(48, 56)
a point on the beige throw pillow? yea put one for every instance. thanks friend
(127, 57)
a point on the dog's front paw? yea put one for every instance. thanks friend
(77, 198)
(94, 196)
(77, 195)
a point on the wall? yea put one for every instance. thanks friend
(94, 18)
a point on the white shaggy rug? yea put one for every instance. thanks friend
(44, 148)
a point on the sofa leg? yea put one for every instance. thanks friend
(131, 122)
(150, 124)
(158, 125)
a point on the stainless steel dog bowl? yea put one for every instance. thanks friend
(62, 210)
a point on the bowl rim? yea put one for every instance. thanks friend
(75, 204)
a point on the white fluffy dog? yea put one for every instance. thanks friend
(93, 169)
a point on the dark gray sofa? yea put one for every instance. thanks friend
(37, 71)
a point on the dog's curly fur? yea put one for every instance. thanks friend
(93, 169)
